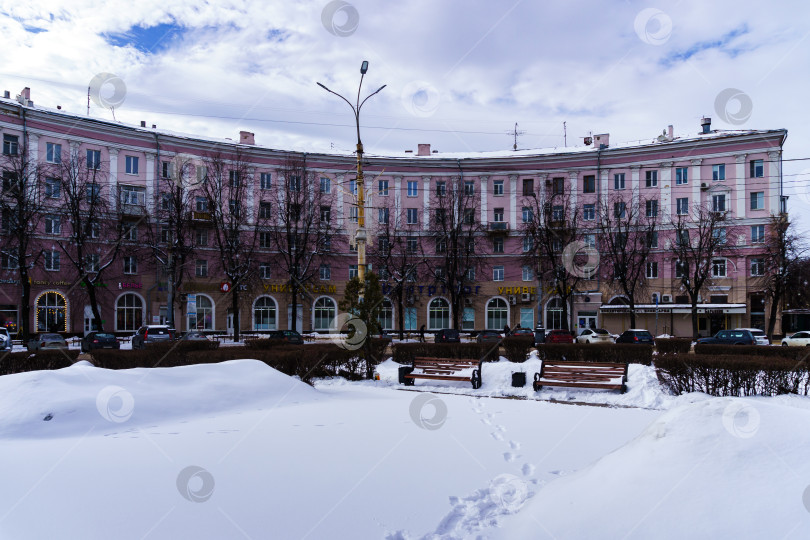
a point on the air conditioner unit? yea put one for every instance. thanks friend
(666, 298)
(526, 297)
(704, 186)
(512, 300)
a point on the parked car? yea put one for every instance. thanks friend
(42, 342)
(488, 336)
(636, 336)
(729, 337)
(152, 333)
(559, 336)
(447, 335)
(290, 336)
(5, 340)
(595, 335)
(523, 332)
(99, 340)
(194, 335)
(759, 335)
(799, 339)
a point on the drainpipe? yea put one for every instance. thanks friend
(170, 292)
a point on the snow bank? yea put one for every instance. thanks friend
(721, 468)
(81, 398)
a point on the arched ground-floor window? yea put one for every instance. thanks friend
(265, 314)
(128, 312)
(438, 314)
(51, 312)
(497, 314)
(324, 313)
(203, 318)
(554, 314)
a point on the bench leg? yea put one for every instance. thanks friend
(537, 387)
(409, 381)
(624, 388)
(476, 379)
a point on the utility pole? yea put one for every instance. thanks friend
(565, 135)
(515, 134)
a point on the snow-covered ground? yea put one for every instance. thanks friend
(239, 450)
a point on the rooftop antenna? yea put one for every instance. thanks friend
(565, 135)
(88, 101)
(515, 134)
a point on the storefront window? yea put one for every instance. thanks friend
(526, 317)
(324, 312)
(497, 314)
(264, 314)
(128, 313)
(204, 318)
(468, 319)
(387, 315)
(438, 314)
(51, 313)
(410, 318)
(554, 314)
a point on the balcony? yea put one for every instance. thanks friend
(498, 227)
(128, 209)
(201, 216)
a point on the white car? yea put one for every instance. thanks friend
(595, 335)
(5, 340)
(799, 339)
(759, 335)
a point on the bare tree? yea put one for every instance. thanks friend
(699, 237)
(452, 251)
(170, 235)
(395, 257)
(627, 233)
(781, 263)
(93, 241)
(559, 254)
(228, 193)
(301, 229)
(21, 220)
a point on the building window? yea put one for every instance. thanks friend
(264, 270)
(650, 178)
(471, 273)
(719, 235)
(557, 213)
(718, 172)
(680, 269)
(557, 186)
(589, 240)
(53, 224)
(53, 153)
(682, 206)
(652, 270)
(469, 187)
(128, 313)
(589, 184)
(757, 200)
(554, 313)
(326, 185)
(383, 246)
(265, 240)
(440, 216)
(682, 238)
(618, 181)
(165, 169)
(438, 314)
(652, 239)
(719, 268)
(352, 271)
(94, 229)
(382, 215)
(265, 180)
(497, 187)
(411, 216)
(497, 215)
(619, 210)
(652, 208)
(441, 189)
(11, 145)
(497, 273)
(233, 178)
(201, 268)
(129, 231)
(528, 274)
(130, 264)
(528, 214)
(412, 245)
(382, 188)
(441, 245)
(681, 176)
(132, 195)
(719, 203)
(53, 188)
(528, 244)
(94, 159)
(757, 167)
(386, 318)
(528, 187)
(294, 183)
(325, 272)
(758, 267)
(412, 188)
(324, 312)
(204, 317)
(164, 234)
(497, 244)
(353, 187)
(264, 314)
(354, 214)
(51, 259)
(201, 237)
(131, 163)
(589, 212)
(757, 234)
(497, 314)
(201, 204)
(9, 262)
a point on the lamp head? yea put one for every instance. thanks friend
(364, 67)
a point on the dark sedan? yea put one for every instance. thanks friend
(523, 332)
(290, 336)
(636, 337)
(99, 340)
(559, 336)
(730, 337)
(488, 336)
(448, 335)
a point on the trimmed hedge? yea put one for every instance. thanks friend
(673, 345)
(792, 353)
(603, 352)
(516, 349)
(404, 353)
(20, 362)
(728, 375)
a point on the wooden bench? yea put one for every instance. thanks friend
(607, 375)
(446, 369)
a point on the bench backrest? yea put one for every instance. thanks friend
(452, 363)
(619, 368)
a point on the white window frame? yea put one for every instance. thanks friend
(681, 176)
(413, 188)
(130, 263)
(528, 274)
(131, 165)
(651, 179)
(497, 188)
(382, 188)
(682, 206)
(265, 180)
(757, 199)
(411, 213)
(718, 172)
(652, 270)
(325, 272)
(619, 181)
(53, 153)
(497, 273)
(719, 267)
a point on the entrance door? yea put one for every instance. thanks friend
(716, 323)
(299, 319)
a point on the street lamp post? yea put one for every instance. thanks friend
(360, 237)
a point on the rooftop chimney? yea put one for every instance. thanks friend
(246, 137)
(6, 94)
(706, 124)
(423, 150)
(670, 133)
(26, 93)
(601, 141)
(143, 123)
(154, 126)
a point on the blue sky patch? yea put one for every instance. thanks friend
(147, 39)
(719, 44)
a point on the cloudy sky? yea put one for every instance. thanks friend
(459, 74)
